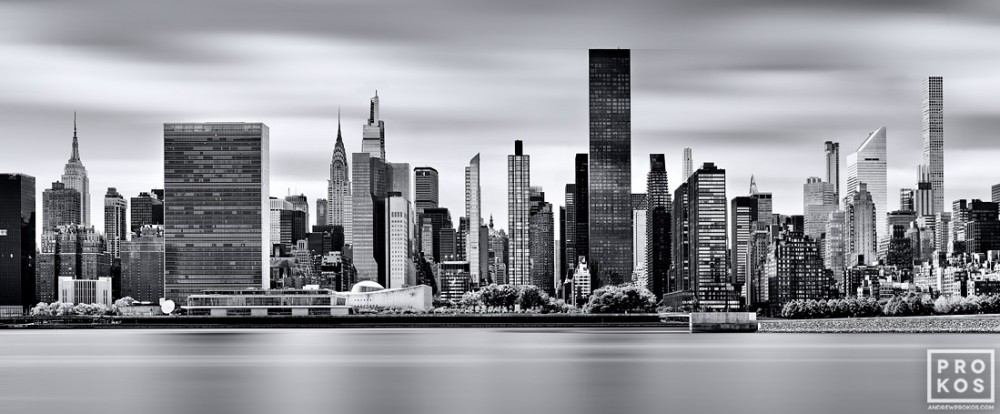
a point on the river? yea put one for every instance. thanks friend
(459, 370)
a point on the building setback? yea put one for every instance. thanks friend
(610, 212)
(216, 178)
(17, 243)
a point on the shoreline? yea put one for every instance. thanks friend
(886, 324)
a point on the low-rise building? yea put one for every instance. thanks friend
(89, 291)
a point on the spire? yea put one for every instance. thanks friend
(75, 156)
(753, 185)
(338, 125)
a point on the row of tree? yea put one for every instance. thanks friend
(910, 304)
(82, 309)
(495, 298)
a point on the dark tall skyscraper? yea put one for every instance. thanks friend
(142, 265)
(610, 166)
(216, 224)
(744, 211)
(658, 225)
(680, 230)
(707, 237)
(17, 243)
(833, 166)
(370, 189)
(426, 186)
(147, 210)
(115, 230)
(582, 201)
(542, 248)
(982, 231)
(300, 203)
(568, 234)
(61, 206)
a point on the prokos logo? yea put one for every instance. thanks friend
(960, 376)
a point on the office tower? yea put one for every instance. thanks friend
(688, 163)
(744, 211)
(794, 270)
(215, 231)
(147, 210)
(819, 200)
(72, 251)
(610, 166)
(300, 203)
(833, 166)
(765, 204)
(280, 223)
(373, 132)
(448, 244)
(680, 258)
(982, 230)
(322, 209)
(426, 186)
(707, 235)
(835, 248)
(658, 207)
(75, 177)
(370, 187)
(61, 206)
(438, 218)
(518, 204)
(942, 229)
(906, 200)
(582, 201)
(639, 224)
(114, 221)
(923, 199)
(868, 165)
(399, 259)
(142, 265)
(933, 139)
(996, 193)
(541, 247)
(17, 243)
(475, 252)
(568, 235)
(338, 187)
(860, 228)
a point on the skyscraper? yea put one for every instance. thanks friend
(373, 132)
(688, 163)
(680, 258)
(996, 193)
(17, 243)
(215, 227)
(61, 206)
(658, 209)
(640, 219)
(906, 201)
(568, 234)
(923, 198)
(707, 237)
(115, 230)
(833, 166)
(582, 201)
(300, 203)
(542, 248)
(475, 252)
(370, 186)
(933, 138)
(426, 188)
(338, 187)
(819, 200)
(72, 251)
(860, 229)
(835, 248)
(142, 265)
(147, 210)
(765, 204)
(868, 165)
(744, 211)
(610, 166)
(518, 204)
(401, 271)
(75, 177)
(982, 230)
(322, 211)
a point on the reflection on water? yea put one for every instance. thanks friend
(463, 371)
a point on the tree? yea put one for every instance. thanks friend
(621, 299)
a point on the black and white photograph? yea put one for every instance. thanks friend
(499, 207)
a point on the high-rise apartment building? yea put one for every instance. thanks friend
(115, 230)
(541, 234)
(568, 233)
(17, 243)
(834, 251)
(518, 205)
(582, 200)
(216, 229)
(61, 206)
(709, 267)
(142, 265)
(401, 270)
(868, 165)
(475, 251)
(75, 177)
(933, 139)
(639, 224)
(610, 166)
(72, 251)
(744, 212)
(833, 166)
(688, 164)
(658, 207)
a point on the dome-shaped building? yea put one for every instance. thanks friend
(366, 286)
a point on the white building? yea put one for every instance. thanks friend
(77, 291)
(868, 165)
(475, 251)
(398, 251)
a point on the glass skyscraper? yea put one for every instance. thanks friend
(216, 178)
(610, 197)
(518, 206)
(426, 187)
(658, 209)
(868, 165)
(17, 243)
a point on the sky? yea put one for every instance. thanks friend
(754, 86)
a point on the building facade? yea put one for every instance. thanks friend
(475, 252)
(142, 265)
(658, 208)
(933, 139)
(867, 165)
(61, 206)
(115, 230)
(17, 243)
(216, 229)
(75, 177)
(832, 152)
(146, 210)
(860, 228)
(518, 205)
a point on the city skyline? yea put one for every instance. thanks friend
(804, 99)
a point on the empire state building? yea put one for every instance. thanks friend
(75, 177)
